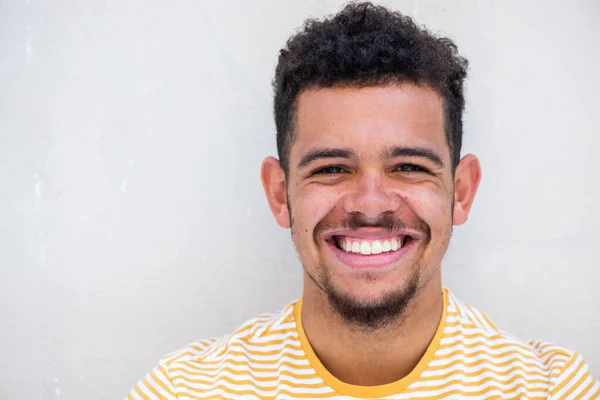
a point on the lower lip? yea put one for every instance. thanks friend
(354, 260)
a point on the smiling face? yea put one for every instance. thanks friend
(371, 194)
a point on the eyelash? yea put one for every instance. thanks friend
(323, 170)
(417, 168)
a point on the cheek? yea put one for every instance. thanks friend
(316, 203)
(432, 205)
(309, 207)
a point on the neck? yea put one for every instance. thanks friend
(378, 357)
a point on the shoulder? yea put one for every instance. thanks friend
(472, 327)
(561, 371)
(265, 329)
(198, 366)
(570, 375)
(474, 339)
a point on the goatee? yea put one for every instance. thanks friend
(372, 315)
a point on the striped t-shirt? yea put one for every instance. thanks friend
(270, 357)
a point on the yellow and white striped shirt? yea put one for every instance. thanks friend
(270, 357)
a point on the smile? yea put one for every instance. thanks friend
(369, 247)
(371, 252)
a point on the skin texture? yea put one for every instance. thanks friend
(369, 192)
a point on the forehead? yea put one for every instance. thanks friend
(369, 119)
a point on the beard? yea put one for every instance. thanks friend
(372, 315)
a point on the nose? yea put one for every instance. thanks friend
(371, 197)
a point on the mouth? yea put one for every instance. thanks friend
(357, 252)
(370, 247)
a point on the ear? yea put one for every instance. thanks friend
(466, 182)
(273, 180)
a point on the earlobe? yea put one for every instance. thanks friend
(274, 184)
(466, 182)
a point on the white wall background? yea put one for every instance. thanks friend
(132, 220)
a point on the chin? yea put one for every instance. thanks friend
(372, 293)
(372, 306)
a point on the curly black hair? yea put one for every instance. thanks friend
(367, 45)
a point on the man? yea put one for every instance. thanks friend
(368, 110)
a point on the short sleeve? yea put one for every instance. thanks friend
(156, 385)
(573, 380)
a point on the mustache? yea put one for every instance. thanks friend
(356, 221)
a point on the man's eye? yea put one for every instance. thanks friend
(330, 170)
(409, 168)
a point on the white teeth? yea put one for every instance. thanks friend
(365, 248)
(376, 247)
(386, 246)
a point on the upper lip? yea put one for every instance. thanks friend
(372, 233)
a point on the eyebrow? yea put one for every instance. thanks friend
(319, 154)
(421, 152)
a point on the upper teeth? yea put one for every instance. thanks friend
(367, 247)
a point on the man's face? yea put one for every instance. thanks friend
(370, 191)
